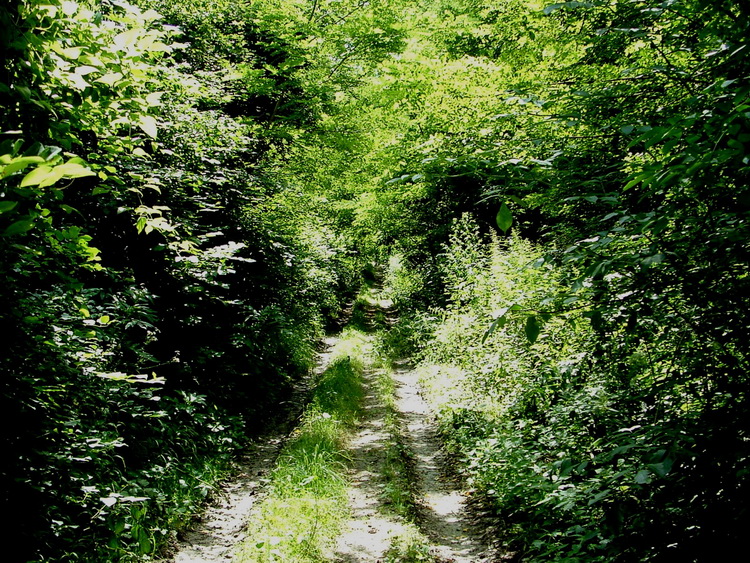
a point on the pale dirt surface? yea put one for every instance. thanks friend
(221, 527)
(443, 516)
(367, 533)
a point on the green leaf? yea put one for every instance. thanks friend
(572, 5)
(36, 176)
(19, 227)
(20, 163)
(655, 259)
(599, 496)
(500, 320)
(148, 125)
(6, 206)
(497, 323)
(504, 218)
(73, 169)
(532, 329)
(143, 542)
(661, 469)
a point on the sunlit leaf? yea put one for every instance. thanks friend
(20, 163)
(110, 78)
(154, 98)
(74, 170)
(504, 218)
(36, 176)
(126, 38)
(148, 125)
(85, 69)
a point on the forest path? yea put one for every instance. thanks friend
(221, 527)
(447, 531)
(442, 517)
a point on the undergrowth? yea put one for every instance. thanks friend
(409, 546)
(588, 425)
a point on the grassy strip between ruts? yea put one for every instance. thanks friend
(408, 545)
(307, 501)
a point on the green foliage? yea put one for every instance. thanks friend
(180, 221)
(161, 292)
(409, 546)
(581, 437)
(617, 134)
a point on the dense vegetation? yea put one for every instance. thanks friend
(559, 194)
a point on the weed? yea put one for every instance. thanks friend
(409, 546)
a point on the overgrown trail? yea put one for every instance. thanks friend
(441, 512)
(368, 532)
(448, 531)
(393, 453)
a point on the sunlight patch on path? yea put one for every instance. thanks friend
(223, 524)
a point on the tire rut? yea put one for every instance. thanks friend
(367, 533)
(443, 514)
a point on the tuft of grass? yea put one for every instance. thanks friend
(409, 546)
(307, 502)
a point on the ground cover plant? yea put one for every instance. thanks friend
(159, 293)
(582, 457)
